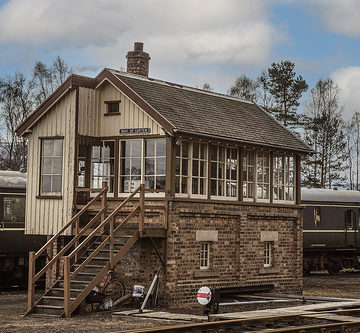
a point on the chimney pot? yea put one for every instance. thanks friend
(138, 46)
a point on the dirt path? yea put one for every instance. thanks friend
(13, 306)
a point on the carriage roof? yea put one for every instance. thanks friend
(12, 179)
(329, 195)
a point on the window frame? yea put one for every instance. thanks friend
(181, 158)
(50, 194)
(268, 254)
(142, 164)
(226, 163)
(286, 173)
(206, 176)
(102, 159)
(108, 106)
(263, 154)
(205, 255)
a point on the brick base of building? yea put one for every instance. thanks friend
(236, 234)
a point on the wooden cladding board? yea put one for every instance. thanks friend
(93, 120)
(47, 216)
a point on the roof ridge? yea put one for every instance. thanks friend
(180, 86)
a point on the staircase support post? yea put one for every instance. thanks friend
(31, 284)
(142, 209)
(67, 287)
(103, 204)
(112, 243)
(77, 230)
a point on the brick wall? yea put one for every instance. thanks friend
(237, 257)
(236, 233)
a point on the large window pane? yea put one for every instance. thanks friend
(155, 163)
(199, 168)
(248, 174)
(181, 169)
(51, 165)
(284, 173)
(130, 164)
(102, 165)
(224, 171)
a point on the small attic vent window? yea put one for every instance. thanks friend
(112, 107)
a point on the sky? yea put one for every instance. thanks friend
(190, 41)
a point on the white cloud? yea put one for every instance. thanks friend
(341, 16)
(182, 33)
(348, 80)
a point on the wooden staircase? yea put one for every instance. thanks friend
(87, 257)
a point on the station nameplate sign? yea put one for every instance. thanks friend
(134, 130)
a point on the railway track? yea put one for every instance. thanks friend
(320, 321)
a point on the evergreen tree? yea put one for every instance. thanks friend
(324, 133)
(286, 88)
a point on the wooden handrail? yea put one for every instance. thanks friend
(77, 215)
(102, 225)
(33, 276)
(67, 246)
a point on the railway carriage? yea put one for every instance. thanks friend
(331, 229)
(14, 244)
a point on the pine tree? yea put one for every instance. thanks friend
(286, 88)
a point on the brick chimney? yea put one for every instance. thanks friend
(138, 60)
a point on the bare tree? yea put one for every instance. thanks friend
(16, 104)
(19, 96)
(207, 86)
(324, 132)
(244, 88)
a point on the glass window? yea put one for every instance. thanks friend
(223, 171)
(112, 107)
(284, 179)
(182, 168)
(81, 166)
(205, 256)
(317, 217)
(14, 209)
(263, 175)
(267, 254)
(51, 165)
(102, 165)
(248, 173)
(155, 163)
(199, 168)
(131, 165)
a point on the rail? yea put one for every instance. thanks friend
(74, 223)
(107, 224)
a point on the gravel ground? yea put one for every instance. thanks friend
(13, 306)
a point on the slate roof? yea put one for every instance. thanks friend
(207, 113)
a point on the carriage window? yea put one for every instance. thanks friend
(51, 165)
(349, 219)
(317, 217)
(102, 161)
(14, 209)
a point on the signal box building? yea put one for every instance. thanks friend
(219, 176)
